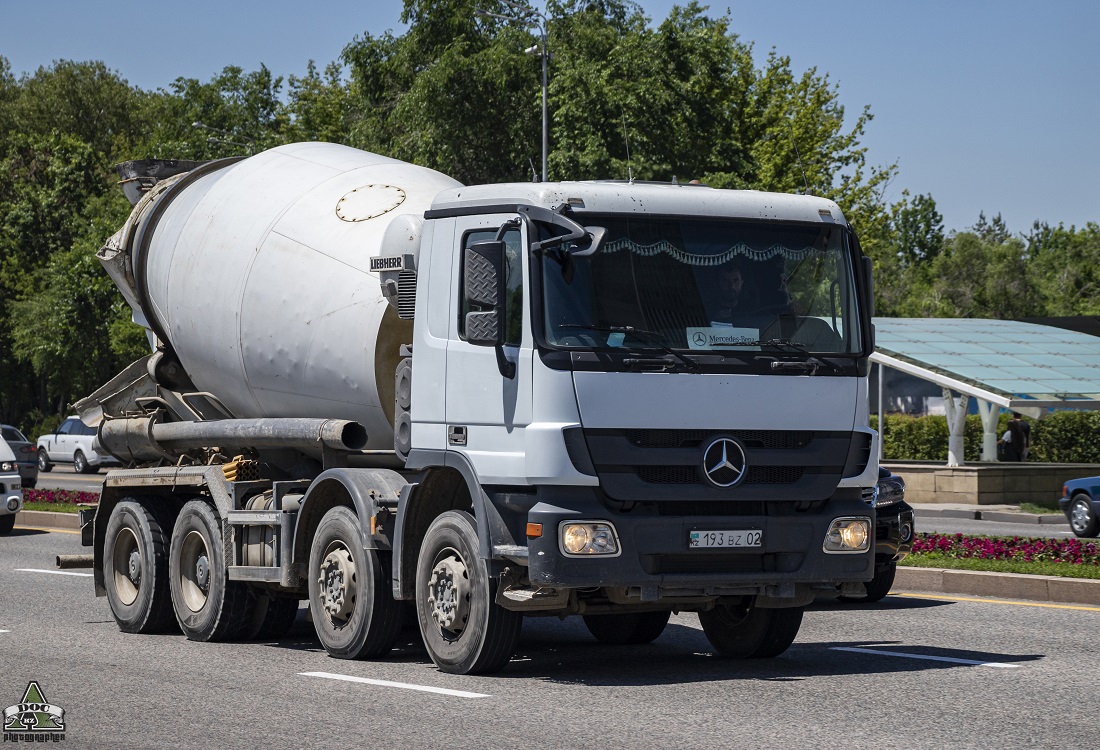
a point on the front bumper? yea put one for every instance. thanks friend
(655, 558)
(895, 528)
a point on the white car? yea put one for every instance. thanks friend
(11, 492)
(73, 442)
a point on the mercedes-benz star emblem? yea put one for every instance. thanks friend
(699, 338)
(724, 462)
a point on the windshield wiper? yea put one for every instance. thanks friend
(652, 336)
(809, 364)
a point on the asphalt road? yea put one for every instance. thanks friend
(991, 528)
(911, 671)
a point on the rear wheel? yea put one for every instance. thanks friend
(745, 631)
(135, 567)
(44, 460)
(208, 606)
(272, 618)
(7, 523)
(627, 628)
(350, 595)
(80, 464)
(1082, 519)
(464, 629)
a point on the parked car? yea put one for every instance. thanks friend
(26, 458)
(1081, 503)
(11, 489)
(894, 530)
(74, 443)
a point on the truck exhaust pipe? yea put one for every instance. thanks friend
(142, 439)
(68, 562)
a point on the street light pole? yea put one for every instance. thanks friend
(527, 17)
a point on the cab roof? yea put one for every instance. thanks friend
(667, 199)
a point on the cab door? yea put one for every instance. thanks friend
(487, 412)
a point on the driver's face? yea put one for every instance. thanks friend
(729, 283)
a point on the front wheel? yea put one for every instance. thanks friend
(745, 631)
(627, 628)
(44, 460)
(208, 606)
(878, 587)
(1082, 519)
(350, 599)
(464, 629)
(7, 523)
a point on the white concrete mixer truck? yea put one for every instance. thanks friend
(397, 397)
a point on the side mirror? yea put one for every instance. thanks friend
(483, 290)
(868, 272)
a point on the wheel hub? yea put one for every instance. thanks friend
(134, 567)
(202, 572)
(1080, 516)
(448, 594)
(337, 576)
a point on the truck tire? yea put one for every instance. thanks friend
(7, 523)
(746, 631)
(272, 617)
(135, 567)
(628, 628)
(877, 588)
(350, 590)
(208, 606)
(464, 629)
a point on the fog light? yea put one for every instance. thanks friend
(582, 538)
(13, 504)
(7, 466)
(848, 535)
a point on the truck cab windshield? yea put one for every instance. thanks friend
(705, 285)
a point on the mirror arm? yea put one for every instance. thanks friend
(506, 366)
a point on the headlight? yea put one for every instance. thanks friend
(583, 538)
(7, 466)
(848, 535)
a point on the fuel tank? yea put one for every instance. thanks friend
(256, 273)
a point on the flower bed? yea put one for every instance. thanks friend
(60, 497)
(1015, 549)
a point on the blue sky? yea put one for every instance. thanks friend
(988, 106)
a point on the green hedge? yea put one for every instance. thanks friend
(1061, 437)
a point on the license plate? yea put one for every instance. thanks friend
(726, 539)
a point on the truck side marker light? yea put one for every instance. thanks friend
(534, 530)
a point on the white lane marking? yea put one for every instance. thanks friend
(52, 572)
(997, 664)
(5, 631)
(402, 685)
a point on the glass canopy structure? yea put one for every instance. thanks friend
(1006, 364)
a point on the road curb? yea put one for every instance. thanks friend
(47, 520)
(997, 516)
(998, 585)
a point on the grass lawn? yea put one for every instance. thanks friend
(54, 507)
(937, 560)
